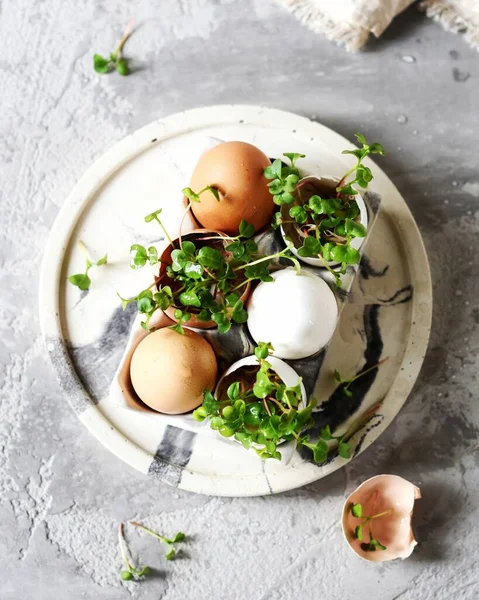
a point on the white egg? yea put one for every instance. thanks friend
(297, 313)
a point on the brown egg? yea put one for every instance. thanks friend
(170, 371)
(236, 170)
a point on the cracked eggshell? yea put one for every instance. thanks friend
(297, 313)
(378, 494)
(236, 169)
(321, 186)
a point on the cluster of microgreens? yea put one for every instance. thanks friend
(82, 280)
(263, 412)
(207, 281)
(115, 61)
(284, 178)
(327, 225)
(130, 573)
(373, 544)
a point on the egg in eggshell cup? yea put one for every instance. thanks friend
(236, 170)
(324, 187)
(200, 237)
(162, 371)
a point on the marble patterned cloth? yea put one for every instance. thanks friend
(350, 22)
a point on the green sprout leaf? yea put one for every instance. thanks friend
(190, 194)
(293, 157)
(82, 280)
(263, 350)
(126, 575)
(101, 64)
(122, 67)
(246, 229)
(299, 214)
(138, 256)
(311, 247)
(357, 510)
(211, 258)
(344, 449)
(115, 60)
(345, 254)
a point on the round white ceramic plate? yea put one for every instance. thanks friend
(388, 311)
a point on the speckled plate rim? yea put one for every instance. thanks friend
(101, 170)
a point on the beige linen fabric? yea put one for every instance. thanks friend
(350, 22)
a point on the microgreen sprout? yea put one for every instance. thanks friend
(284, 178)
(321, 448)
(326, 225)
(171, 551)
(129, 573)
(155, 216)
(373, 544)
(362, 174)
(347, 382)
(260, 411)
(205, 278)
(115, 59)
(82, 280)
(195, 197)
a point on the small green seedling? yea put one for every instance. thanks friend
(373, 544)
(347, 382)
(129, 573)
(115, 61)
(195, 197)
(171, 551)
(82, 280)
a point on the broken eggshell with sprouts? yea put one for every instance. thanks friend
(194, 236)
(322, 186)
(393, 530)
(286, 373)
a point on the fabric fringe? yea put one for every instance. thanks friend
(451, 20)
(350, 36)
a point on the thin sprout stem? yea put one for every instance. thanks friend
(220, 237)
(260, 260)
(386, 512)
(343, 178)
(378, 364)
(164, 231)
(81, 243)
(121, 541)
(265, 402)
(182, 222)
(241, 285)
(153, 533)
(126, 35)
(278, 404)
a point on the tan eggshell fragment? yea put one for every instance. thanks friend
(237, 170)
(378, 494)
(170, 371)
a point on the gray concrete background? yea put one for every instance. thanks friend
(61, 494)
